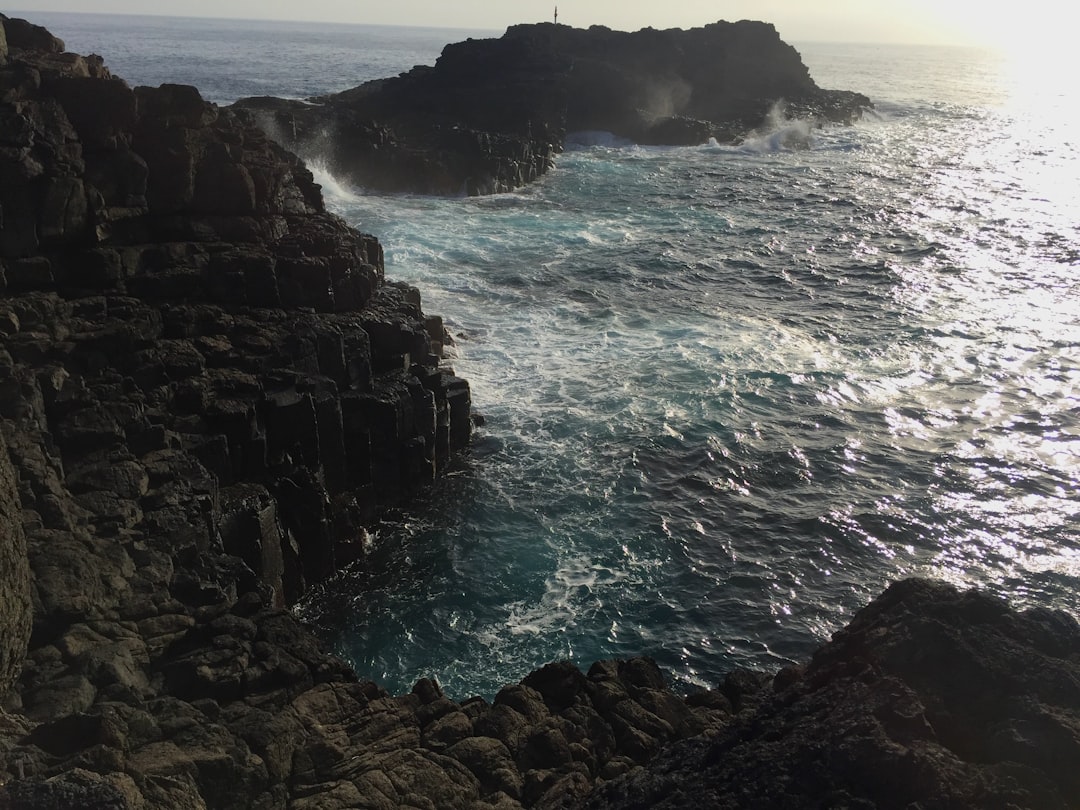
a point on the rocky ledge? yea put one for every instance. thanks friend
(492, 114)
(207, 389)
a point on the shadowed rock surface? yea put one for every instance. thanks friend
(207, 389)
(930, 698)
(15, 612)
(492, 114)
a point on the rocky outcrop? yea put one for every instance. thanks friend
(207, 390)
(930, 698)
(237, 709)
(197, 356)
(492, 114)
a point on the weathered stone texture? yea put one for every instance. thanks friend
(930, 698)
(14, 576)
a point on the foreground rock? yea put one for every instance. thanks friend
(930, 698)
(492, 114)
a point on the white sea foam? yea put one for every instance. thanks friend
(778, 132)
(336, 193)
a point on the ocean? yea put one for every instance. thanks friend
(731, 392)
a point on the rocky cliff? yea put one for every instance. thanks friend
(492, 114)
(207, 389)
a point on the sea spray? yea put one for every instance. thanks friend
(335, 193)
(780, 132)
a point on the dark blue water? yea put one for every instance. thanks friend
(731, 392)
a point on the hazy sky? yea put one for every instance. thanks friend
(927, 21)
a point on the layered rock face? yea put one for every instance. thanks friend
(491, 114)
(196, 354)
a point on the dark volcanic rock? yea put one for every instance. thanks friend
(930, 698)
(182, 316)
(206, 391)
(492, 114)
(14, 577)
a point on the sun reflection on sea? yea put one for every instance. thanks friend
(1000, 399)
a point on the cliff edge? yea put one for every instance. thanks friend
(930, 698)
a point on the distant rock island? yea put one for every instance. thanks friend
(492, 114)
(207, 388)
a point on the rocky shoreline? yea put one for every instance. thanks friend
(208, 390)
(492, 114)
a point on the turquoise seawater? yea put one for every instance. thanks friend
(730, 391)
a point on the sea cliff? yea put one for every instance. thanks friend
(207, 391)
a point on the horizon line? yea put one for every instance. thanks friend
(496, 31)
